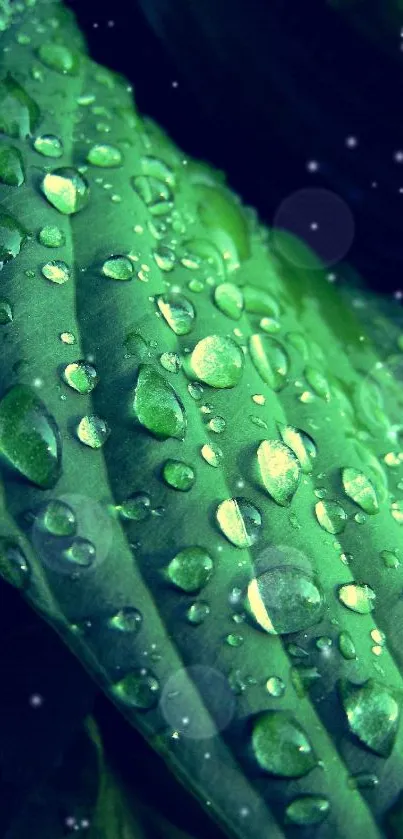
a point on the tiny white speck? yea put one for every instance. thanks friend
(351, 142)
(312, 165)
(36, 700)
(175, 84)
(314, 225)
(398, 156)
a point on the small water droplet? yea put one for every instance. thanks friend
(125, 620)
(301, 444)
(240, 521)
(191, 569)
(347, 646)
(164, 258)
(66, 189)
(12, 237)
(6, 312)
(229, 300)
(279, 470)
(275, 686)
(138, 689)
(359, 488)
(217, 361)
(51, 236)
(12, 171)
(104, 155)
(270, 360)
(171, 362)
(373, 714)
(281, 746)
(19, 114)
(307, 810)
(136, 508)
(29, 437)
(56, 271)
(212, 454)
(80, 376)
(178, 312)
(93, 431)
(331, 516)
(80, 553)
(284, 599)
(178, 475)
(48, 145)
(357, 598)
(57, 518)
(118, 268)
(156, 405)
(317, 382)
(59, 57)
(198, 612)
(14, 567)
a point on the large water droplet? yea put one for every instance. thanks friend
(118, 268)
(104, 155)
(139, 689)
(358, 598)
(29, 437)
(59, 57)
(270, 360)
(279, 470)
(12, 171)
(66, 190)
(12, 237)
(240, 521)
(229, 299)
(14, 567)
(178, 475)
(93, 431)
(57, 518)
(191, 569)
(259, 302)
(302, 445)
(51, 236)
(48, 145)
(359, 488)
(56, 271)
(307, 810)
(217, 361)
(178, 312)
(373, 714)
(281, 746)
(285, 599)
(157, 406)
(331, 516)
(81, 376)
(125, 620)
(19, 114)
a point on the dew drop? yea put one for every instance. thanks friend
(19, 114)
(372, 713)
(229, 300)
(58, 518)
(12, 237)
(347, 646)
(217, 362)
(178, 312)
(56, 271)
(275, 686)
(14, 567)
(6, 312)
(12, 171)
(281, 746)
(66, 189)
(138, 689)
(279, 470)
(125, 620)
(48, 145)
(80, 553)
(259, 302)
(93, 431)
(191, 569)
(118, 268)
(198, 612)
(357, 598)
(307, 810)
(157, 406)
(29, 437)
(212, 454)
(240, 521)
(80, 376)
(104, 156)
(301, 444)
(359, 488)
(135, 508)
(284, 599)
(51, 236)
(331, 516)
(317, 382)
(270, 360)
(171, 362)
(178, 475)
(59, 57)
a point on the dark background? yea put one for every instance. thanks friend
(264, 86)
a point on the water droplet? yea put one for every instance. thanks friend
(66, 189)
(57, 518)
(358, 598)
(29, 437)
(217, 424)
(125, 620)
(307, 810)
(81, 553)
(178, 475)
(317, 382)
(212, 454)
(56, 271)
(67, 338)
(198, 612)
(270, 360)
(171, 362)
(331, 516)
(284, 599)
(51, 236)
(118, 268)
(240, 521)
(80, 376)
(363, 780)
(234, 639)
(217, 362)
(229, 299)
(93, 431)
(358, 487)
(347, 646)
(155, 194)
(191, 569)
(281, 746)
(178, 312)
(104, 156)
(164, 258)
(12, 171)
(157, 406)
(14, 567)
(6, 312)
(279, 470)
(59, 57)
(19, 114)
(138, 689)
(390, 559)
(48, 145)
(373, 714)
(302, 445)
(275, 686)
(270, 325)
(12, 237)
(259, 302)
(136, 508)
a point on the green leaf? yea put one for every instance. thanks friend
(201, 611)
